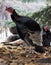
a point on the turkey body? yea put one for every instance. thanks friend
(26, 26)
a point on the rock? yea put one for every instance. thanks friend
(13, 63)
(27, 56)
(14, 43)
(31, 63)
(19, 48)
(2, 64)
(1, 45)
(1, 60)
(12, 38)
(21, 64)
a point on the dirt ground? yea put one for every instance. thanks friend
(17, 54)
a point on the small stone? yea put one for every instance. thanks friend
(1, 60)
(13, 63)
(31, 63)
(20, 41)
(19, 48)
(1, 45)
(25, 64)
(27, 56)
(2, 64)
(9, 47)
(21, 64)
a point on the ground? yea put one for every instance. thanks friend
(17, 54)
